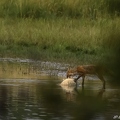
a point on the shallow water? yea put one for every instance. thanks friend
(31, 92)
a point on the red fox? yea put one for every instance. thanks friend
(83, 70)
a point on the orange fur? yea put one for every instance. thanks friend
(83, 70)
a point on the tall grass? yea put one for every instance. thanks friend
(52, 8)
(68, 30)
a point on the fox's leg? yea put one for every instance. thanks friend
(102, 79)
(75, 80)
(83, 78)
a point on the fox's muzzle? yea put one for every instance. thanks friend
(70, 74)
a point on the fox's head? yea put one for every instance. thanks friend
(70, 72)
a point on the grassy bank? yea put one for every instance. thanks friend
(63, 31)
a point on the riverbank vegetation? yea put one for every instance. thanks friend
(71, 31)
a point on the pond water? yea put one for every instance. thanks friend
(31, 91)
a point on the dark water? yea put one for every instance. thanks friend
(36, 96)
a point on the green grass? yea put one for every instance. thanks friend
(58, 30)
(51, 8)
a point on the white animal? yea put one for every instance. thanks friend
(68, 82)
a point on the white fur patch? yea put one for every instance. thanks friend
(68, 82)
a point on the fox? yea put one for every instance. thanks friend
(83, 70)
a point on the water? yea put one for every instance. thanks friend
(29, 91)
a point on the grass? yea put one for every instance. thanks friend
(50, 8)
(63, 30)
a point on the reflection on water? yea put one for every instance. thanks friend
(18, 68)
(28, 99)
(28, 94)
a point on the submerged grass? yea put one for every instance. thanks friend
(62, 30)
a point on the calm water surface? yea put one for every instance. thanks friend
(29, 92)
